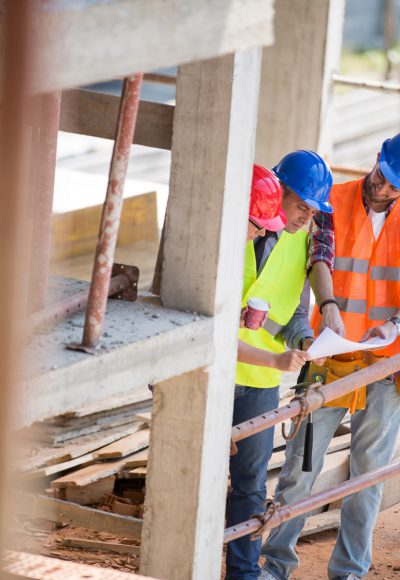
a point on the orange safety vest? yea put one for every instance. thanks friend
(366, 275)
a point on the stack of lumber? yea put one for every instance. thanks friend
(107, 471)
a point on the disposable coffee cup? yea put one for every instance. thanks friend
(257, 310)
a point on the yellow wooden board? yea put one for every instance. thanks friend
(75, 233)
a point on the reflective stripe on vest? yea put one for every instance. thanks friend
(385, 273)
(351, 265)
(360, 307)
(280, 283)
(359, 266)
(351, 305)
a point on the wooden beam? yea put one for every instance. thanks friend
(103, 546)
(212, 155)
(296, 95)
(74, 233)
(22, 566)
(80, 43)
(64, 512)
(95, 114)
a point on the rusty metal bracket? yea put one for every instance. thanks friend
(132, 273)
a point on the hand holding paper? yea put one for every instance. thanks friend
(329, 343)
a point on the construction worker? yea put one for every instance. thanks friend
(275, 270)
(360, 299)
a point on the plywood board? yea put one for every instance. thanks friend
(75, 233)
(125, 446)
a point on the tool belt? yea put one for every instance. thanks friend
(340, 366)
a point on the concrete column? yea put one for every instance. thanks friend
(205, 233)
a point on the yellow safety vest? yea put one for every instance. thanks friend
(280, 283)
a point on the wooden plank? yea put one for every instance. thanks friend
(137, 472)
(316, 27)
(101, 546)
(145, 417)
(91, 493)
(64, 512)
(75, 233)
(140, 459)
(337, 444)
(76, 44)
(125, 446)
(212, 156)
(19, 565)
(95, 114)
(52, 456)
(329, 520)
(58, 467)
(89, 474)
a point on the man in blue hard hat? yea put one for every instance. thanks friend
(275, 271)
(355, 272)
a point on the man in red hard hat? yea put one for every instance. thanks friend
(265, 211)
(266, 216)
(275, 271)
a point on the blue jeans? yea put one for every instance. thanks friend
(373, 438)
(248, 471)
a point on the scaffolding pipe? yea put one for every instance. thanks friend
(290, 511)
(372, 85)
(57, 312)
(110, 219)
(316, 397)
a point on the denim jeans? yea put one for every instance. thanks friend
(373, 438)
(248, 471)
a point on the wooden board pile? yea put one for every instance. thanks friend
(80, 457)
(105, 468)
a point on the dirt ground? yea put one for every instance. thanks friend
(314, 551)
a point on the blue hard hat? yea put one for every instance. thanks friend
(307, 174)
(389, 160)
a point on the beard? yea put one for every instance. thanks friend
(371, 196)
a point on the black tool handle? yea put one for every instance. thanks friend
(308, 445)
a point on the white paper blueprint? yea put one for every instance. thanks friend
(329, 343)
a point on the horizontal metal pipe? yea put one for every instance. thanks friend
(373, 85)
(316, 397)
(54, 314)
(356, 171)
(290, 511)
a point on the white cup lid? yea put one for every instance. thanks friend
(258, 304)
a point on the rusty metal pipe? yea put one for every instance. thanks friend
(290, 511)
(315, 398)
(110, 220)
(57, 312)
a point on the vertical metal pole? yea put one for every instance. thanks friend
(107, 240)
(44, 151)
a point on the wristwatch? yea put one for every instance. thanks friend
(396, 322)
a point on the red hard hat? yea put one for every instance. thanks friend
(266, 200)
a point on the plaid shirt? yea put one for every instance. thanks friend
(321, 246)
